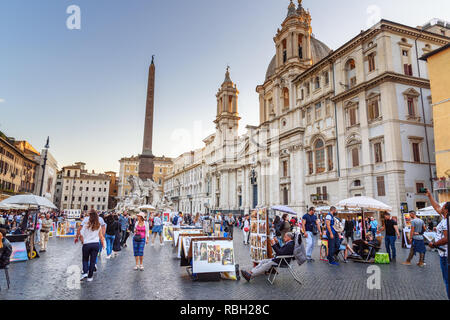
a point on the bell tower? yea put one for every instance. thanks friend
(293, 40)
(227, 118)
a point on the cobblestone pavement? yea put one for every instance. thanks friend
(163, 278)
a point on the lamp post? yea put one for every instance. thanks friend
(47, 146)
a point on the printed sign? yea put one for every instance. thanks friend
(19, 252)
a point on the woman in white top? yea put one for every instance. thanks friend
(91, 234)
(246, 228)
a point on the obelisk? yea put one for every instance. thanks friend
(146, 165)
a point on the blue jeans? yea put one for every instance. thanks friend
(389, 241)
(90, 251)
(333, 246)
(310, 240)
(109, 244)
(444, 268)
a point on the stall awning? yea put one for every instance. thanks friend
(366, 203)
(284, 209)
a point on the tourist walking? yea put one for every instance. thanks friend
(246, 228)
(349, 227)
(373, 224)
(416, 240)
(310, 228)
(117, 247)
(441, 240)
(197, 221)
(157, 229)
(124, 222)
(140, 239)
(230, 221)
(111, 229)
(333, 238)
(45, 230)
(91, 236)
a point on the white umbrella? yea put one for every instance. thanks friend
(147, 207)
(429, 211)
(284, 209)
(364, 203)
(29, 200)
(5, 206)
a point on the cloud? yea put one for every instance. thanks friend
(2, 100)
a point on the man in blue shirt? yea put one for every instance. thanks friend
(124, 224)
(332, 235)
(310, 228)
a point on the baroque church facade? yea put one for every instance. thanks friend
(333, 124)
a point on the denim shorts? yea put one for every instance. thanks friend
(418, 246)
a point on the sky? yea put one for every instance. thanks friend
(86, 88)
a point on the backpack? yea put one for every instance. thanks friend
(299, 250)
(338, 226)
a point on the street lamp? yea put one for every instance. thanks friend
(47, 146)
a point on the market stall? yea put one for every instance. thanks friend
(367, 207)
(32, 205)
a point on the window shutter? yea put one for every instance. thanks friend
(410, 70)
(380, 187)
(416, 153)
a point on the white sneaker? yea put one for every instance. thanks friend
(108, 257)
(142, 268)
(136, 268)
(152, 244)
(83, 276)
(90, 279)
(162, 244)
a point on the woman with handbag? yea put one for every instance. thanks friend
(140, 239)
(91, 236)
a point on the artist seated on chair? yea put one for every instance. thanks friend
(265, 265)
(5, 250)
(362, 247)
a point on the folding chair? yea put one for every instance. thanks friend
(286, 265)
(6, 276)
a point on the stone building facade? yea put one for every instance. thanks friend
(81, 189)
(333, 124)
(17, 167)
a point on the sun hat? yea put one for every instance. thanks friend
(141, 214)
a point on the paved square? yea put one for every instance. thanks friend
(163, 278)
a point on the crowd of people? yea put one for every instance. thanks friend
(356, 238)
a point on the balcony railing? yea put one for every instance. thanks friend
(320, 197)
(442, 185)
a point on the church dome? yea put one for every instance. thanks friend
(319, 50)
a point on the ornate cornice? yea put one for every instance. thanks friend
(385, 77)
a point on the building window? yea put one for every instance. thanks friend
(317, 83)
(285, 97)
(408, 69)
(310, 162)
(307, 89)
(285, 168)
(411, 108)
(350, 69)
(377, 152)
(352, 118)
(373, 110)
(419, 186)
(318, 111)
(300, 46)
(308, 115)
(319, 151)
(326, 76)
(330, 157)
(284, 51)
(380, 187)
(357, 183)
(285, 196)
(355, 157)
(371, 59)
(416, 151)
(324, 193)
